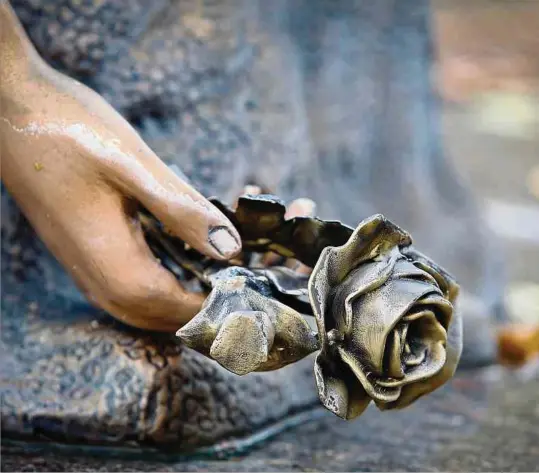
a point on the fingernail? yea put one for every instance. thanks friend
(307, 205)
(223, 241)
(251, 190)
(302, 207)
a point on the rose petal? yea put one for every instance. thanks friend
(289, 287)
(373, 237)
(405, 269)
(285, 280)
(338, 388)
(319, 290)
(393, 353)
(258, 215)
(427, 356)
(376, 314)
(442, 308)
(366, 278)
(377, 391)
(425, 327)
(433, 363)
(416, 357)
(446, 282)
(453, 350)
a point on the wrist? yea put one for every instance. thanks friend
(17, 54)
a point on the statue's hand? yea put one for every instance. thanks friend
(78, 171)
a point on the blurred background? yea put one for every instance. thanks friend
(487, 73)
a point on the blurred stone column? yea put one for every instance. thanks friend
(374, 122)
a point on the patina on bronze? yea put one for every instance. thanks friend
(387, 331)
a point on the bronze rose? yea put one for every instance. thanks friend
(387, 331)
(385, 319)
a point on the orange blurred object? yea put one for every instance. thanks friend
(518, 344)
(486, 46)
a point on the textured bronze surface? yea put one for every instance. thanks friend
(387, 331)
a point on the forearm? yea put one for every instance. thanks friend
(17, 54)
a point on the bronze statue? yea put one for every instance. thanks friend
(329, 100)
